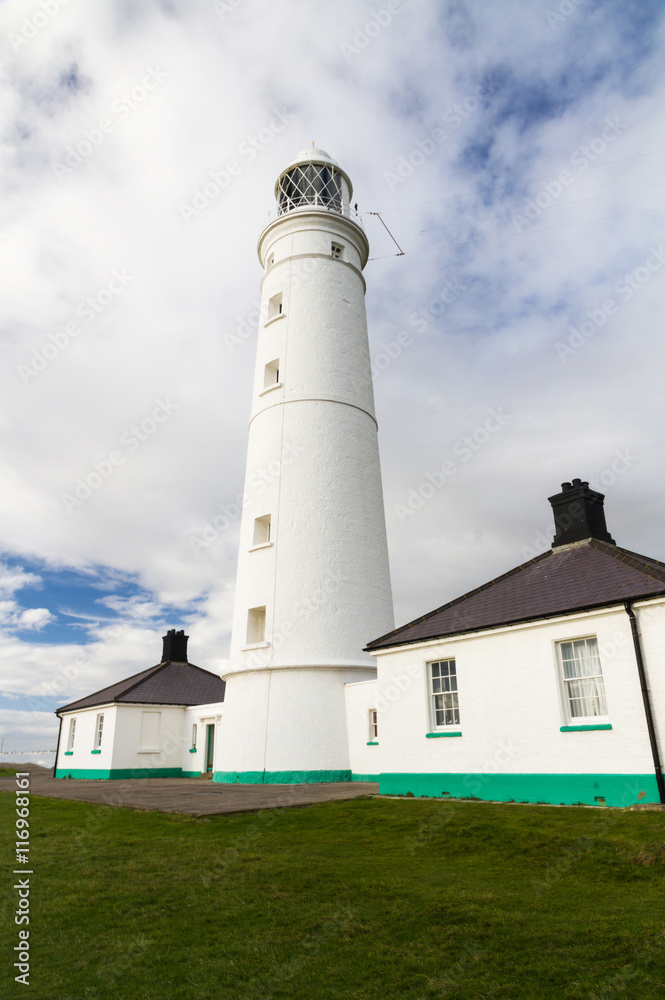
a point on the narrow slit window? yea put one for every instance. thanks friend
(337, 251)
(256, 625)
(261, 530)
(275, 306)
(373, 725)
(271, 260)
(271, 374)
(72, 734)
(99, 728)
(194, 737)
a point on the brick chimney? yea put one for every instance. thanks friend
(579, 514)
(175, 646)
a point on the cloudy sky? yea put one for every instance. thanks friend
(515, 150)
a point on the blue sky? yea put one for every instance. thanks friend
(516, 153)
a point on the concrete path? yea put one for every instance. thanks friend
(197, 796)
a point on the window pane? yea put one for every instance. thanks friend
(583, 678)
(444, 693)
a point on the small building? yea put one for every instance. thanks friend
(546, 684)
(160, 723)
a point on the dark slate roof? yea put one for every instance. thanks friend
(166, 684)
(593, 574)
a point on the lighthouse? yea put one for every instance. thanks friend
(313, 582)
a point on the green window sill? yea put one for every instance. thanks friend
(370, 744)
(69, 753)
(95, 751)
(193, 750)
(436, 736)
(585, 729)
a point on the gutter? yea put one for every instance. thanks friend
(647, 701)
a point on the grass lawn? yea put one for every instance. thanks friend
(369, 899)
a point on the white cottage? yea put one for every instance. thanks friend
(546, 684)
(160, 723)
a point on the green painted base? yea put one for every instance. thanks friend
(558, 789)
(279, 777)
(364, 777)
(101, 773)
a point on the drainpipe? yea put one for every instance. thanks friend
(647, 701)
(57, 746)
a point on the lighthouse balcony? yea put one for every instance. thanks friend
(317, 205)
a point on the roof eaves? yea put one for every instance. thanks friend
(615, 602)
(142, 674)
(458, 600)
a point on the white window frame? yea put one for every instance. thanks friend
(433, 694)
(71, 736)
(194, 734)
(374, 725)
(99, 729)
(566, 684)
(337, 251)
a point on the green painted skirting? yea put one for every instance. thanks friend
(191, 774)
(364, 777)
(585, 729)
(565, 789)
(279, 777)
(435, 736)
(109, 775)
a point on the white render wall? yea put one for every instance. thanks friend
(172, 737)
(360, 698)
(120, 749)
(82, 757)
(202, 716)
(511, 706)
(651, 621)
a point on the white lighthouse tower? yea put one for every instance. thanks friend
(313, 581)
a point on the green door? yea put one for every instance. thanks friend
(210, 746)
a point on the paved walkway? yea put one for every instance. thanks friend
(198, 796)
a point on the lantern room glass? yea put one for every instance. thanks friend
(314, 184)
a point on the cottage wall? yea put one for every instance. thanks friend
(364, 758)
(510, 743)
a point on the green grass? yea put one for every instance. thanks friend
(368, 899)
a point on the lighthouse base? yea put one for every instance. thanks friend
(286, 726)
